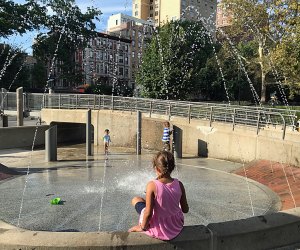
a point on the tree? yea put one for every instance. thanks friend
(267, 23)
(286, 55)
(66, 30)
(211, 84)
(69, 30)
(173, 59)
(12, 71)
(19, 18)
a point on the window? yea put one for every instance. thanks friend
(116, 22)
(121, 59)
(156, 13)
(151, 7)
(121, 71)
(136, 13)
(136, 6)
(126, 72)
(126, 60)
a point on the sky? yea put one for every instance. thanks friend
(107, 7)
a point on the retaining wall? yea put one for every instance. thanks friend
(20, 137)
(199, 139)
(262, 232)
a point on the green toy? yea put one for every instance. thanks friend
(55, 201)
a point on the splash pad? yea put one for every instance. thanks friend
(89, 206)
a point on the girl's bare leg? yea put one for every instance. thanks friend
(136, 200)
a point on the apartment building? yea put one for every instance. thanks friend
(224, 17)
(106, 61)
(135, 29)
(162, 11)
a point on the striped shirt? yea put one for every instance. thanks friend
(166, 135)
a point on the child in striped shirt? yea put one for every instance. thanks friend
(166, 136)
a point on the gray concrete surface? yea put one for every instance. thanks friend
(96, 193)
(28, 121)
(198, 138)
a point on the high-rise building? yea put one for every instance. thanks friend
(224, 17)
(137, 30)
(162, 11)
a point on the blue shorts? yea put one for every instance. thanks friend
(139, 206)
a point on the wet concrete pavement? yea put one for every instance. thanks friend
(96, 193)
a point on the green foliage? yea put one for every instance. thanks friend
(69, 30)
(13, 74)
(172, 62)
(211, 85)
(20, 18)
(275, 27)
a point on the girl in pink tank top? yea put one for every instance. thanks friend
(161, 214)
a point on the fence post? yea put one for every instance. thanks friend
(94, 101)
(233, 120)
(99, 102)
(44, 101)
(59, 101)
(112, 102)
(189, 112)
(257, 125)
(151, 108)
(2, 99)
(76, 101)
(169, 111)
(210, 116)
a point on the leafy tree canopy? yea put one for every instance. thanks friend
(274, 27)
(173, 59)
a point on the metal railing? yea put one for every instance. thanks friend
(256, 117)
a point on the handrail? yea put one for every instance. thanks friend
(213, 112)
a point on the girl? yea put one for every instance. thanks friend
(161, 214)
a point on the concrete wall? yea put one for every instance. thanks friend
(219, 141)
(262, 232)
(20, 137)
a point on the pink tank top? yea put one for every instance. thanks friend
(167, 219)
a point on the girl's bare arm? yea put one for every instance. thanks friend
(150, 194)
(183, 201)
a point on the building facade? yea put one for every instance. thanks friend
(163, 11)
(224, 17)
(134, 29)
(106, 61)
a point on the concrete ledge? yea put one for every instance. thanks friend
(19, 137)
(262, 232)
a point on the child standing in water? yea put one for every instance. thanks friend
(161, 214)
(166, 136)
(106, 140)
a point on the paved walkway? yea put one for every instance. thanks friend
(282, 179)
